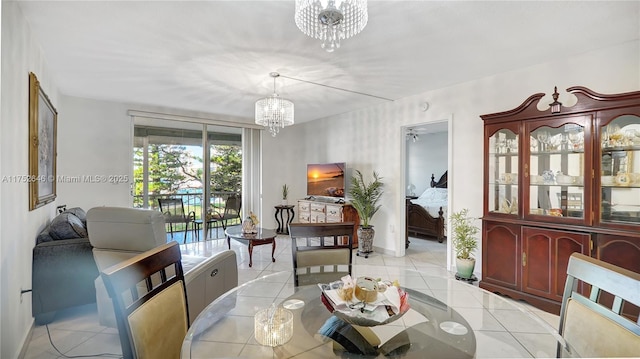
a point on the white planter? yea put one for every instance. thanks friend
(464, 267)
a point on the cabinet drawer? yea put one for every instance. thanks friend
(317, 207)
(334, 211)
(318, 218)
(303, 207)
(304, 218)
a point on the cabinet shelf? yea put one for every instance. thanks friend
(620, 148)
(559, 152)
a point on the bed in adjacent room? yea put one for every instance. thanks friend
(426, 214)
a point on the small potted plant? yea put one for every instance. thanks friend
(285, 194)
(364, 198)
(464, 243)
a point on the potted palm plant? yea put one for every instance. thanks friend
(364, 198)
(464, 243)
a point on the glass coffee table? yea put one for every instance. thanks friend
(263, 236)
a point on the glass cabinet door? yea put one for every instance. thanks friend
(503, 172)
(620, 170)
(556, 171)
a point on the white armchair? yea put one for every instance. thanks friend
(119, 233)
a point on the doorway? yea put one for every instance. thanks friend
(426, 168)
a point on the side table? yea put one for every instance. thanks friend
(283, 227)
(263, 236)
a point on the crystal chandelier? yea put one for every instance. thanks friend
(331, 20)
(274, 111)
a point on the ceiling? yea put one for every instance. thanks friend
(215, 57)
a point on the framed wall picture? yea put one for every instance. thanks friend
(43, 122)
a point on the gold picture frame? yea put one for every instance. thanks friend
(43, 127)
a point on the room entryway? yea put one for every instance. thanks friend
(426, 161)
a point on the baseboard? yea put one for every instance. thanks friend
(26, 341)
(384, 251)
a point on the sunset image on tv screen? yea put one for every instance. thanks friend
(325, 179)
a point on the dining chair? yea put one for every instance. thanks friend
(321, 251)
(589, 327)
(150, 303)
(231, 211)
(173, 210)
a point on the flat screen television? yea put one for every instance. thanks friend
(326, 179)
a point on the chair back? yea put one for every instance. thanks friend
(150, 303)
(589, 328)
(173, 210)
(321, 251)
(232, 207)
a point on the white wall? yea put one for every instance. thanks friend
(20, 55)
(371, 139)
(95, 140)
(426, 157)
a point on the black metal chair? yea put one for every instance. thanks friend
(231, 211)
(173, 210)
(150, 302)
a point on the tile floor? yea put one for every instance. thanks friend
(77, 332)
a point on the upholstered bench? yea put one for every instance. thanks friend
(119, 233)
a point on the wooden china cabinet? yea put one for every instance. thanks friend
(558, 181)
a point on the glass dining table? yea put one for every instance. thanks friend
(430, 328)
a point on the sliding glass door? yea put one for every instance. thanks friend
(196, 163)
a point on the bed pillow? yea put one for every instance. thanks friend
(441, 194)
(428, 194)
(434, 194)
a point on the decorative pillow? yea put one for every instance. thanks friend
(67, 225)
(80, 213)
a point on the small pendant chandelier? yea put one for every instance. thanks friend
(274, 111)
(331, 20)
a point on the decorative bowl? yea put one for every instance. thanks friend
(356, 318)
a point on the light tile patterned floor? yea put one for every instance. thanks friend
(77, 332)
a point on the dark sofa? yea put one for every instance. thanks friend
(63, 266)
